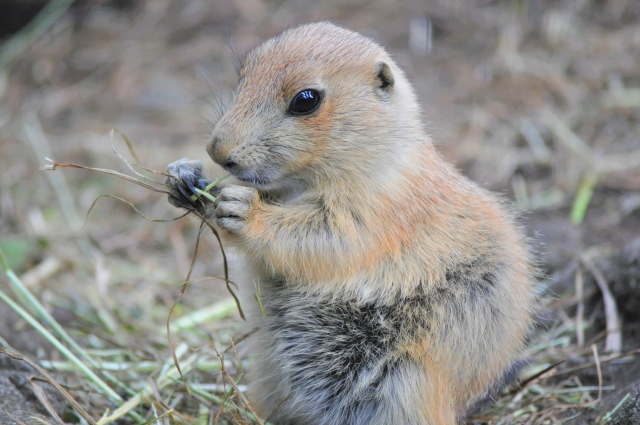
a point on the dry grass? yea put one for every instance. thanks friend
(538, 99)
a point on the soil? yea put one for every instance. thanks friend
(18, 403)
(623, 273)
(630, 411)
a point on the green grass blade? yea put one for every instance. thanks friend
(44, 314)
(583, 198)
(58, 345)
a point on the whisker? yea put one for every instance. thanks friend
(212, 124)
(219, 108)
(237, 63)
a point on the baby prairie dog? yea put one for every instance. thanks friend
(397, 292)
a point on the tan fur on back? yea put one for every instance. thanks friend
(396, 290)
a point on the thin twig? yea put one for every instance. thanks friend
(47, 317)
(51, 381)
(225, 266)
(579, 283)
(566, 136)
(605, 360)
(44, 400)
(242, 396)
(239, 340)
(55, 165)
(56, 343)
(43, 271)
(153, 220)
(178, 298)
(38, 141)
(613, 343)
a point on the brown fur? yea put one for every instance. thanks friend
(350, 213)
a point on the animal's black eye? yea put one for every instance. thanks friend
(305, 102)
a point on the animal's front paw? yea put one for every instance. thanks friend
(187, 176)
(233, 206)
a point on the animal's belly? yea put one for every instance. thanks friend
(333, 357)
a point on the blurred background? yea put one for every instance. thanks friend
(538, 100)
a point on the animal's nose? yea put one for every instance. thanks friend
(220, 152)
(211, 147)
(213, 142)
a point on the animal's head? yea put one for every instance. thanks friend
(314, 104)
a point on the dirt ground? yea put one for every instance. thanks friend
(536, 100)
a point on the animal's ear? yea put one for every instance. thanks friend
(384, 77)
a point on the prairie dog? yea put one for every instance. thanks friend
(396, 290)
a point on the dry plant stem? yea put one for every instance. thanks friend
(239, 340)
(42, 397)
(40, 144)
(222, 402)
(153, 220)
(605, 360)
(127, 141)
(228, 283)
(216, 388)
(533, 379)
(131, 165)
(242, 396)
(596, 359)
(162, 381)
(182, 290)
(619, 96)
(216, 311)
(43, 271)
(570, 301)
(535, 141)
(44, 314)
(55, 165)
(203, 223)
(579, 283)
(614, 324)
(51, 381)
(221, 406)
(181, 418)
(225, 266)
(235, 353)
(567, 137)
(164, 416)
(54, 341)
(158, 397)
(579, 389)
(140, 367)
(227, 393)
(596, 166)
(33, 322)
(620, 162)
